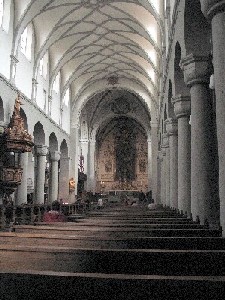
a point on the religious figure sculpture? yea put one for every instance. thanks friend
(71, 184)
(17, 105)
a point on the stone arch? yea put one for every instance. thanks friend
(122, 152)
(53, 142)
(64, 149)
(24, 117)
(81, 101)
(1, 110)
(180, 87)
(171, 113)
(39, 134)
(197, 31)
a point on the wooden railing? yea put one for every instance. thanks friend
(31, 213)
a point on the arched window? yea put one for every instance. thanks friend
(1, 12)
(26, 41)
(5, 14)
(56, 83)
(23, 41)
(66, 97)
(43, 66)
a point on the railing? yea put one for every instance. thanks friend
(31, 213)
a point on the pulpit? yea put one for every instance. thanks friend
(14, 140)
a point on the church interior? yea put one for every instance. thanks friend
(112, 157)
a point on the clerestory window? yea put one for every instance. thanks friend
(66, 97)
(26, 41)
(23, 41)
(1, 12)
(56, 83)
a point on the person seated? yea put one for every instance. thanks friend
(100, 203)
(151, 205)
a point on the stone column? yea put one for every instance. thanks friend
(163, 176)
(150, 171)
(54, 176)
(166, 157)
(74, 154)
(64, 178)
(34, 89)
(214, 10)
(40, 152)
(84, 147)
(182, 108)
(22, 188)
(91, 167)
(154, 146)
(171, 128)
(14, 62)
(196, 75)
(159, 178)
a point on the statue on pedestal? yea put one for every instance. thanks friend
(71, 184)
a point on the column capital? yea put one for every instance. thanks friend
(55, 155)
(196, 69)
(212, 7)
(171, 126)
(182, 106)
(41, 150)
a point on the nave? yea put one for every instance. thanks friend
(118, 252)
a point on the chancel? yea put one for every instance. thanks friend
(112, 149)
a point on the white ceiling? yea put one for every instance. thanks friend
(90, 41)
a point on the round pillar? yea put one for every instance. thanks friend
(21, 196)
(171, 128)
(196, 73)
(214, 10)
(166, 162)
(40, 152)
(182, 109)
(54, 176)
(91, 166)
(154, 152)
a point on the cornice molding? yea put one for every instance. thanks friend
(17, 91)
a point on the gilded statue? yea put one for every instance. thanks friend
(71, 184)
(17, 105)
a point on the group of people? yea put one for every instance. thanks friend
(146, 197)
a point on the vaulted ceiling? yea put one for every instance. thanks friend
(97, 44)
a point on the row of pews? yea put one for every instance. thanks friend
(114, 253)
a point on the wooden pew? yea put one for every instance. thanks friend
(57, 285)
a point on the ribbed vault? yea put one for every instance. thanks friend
(96, 41)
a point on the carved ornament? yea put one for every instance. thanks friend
(15, 136)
